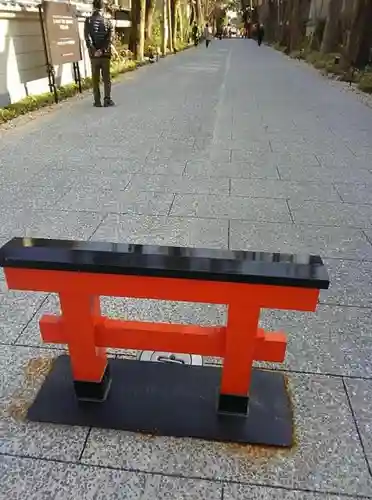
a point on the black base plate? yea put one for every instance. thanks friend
(169, 400)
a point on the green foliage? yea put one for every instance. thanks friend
(365, 82)
(123, 53)
(333, 68)
(353, 76)
(321, 61)
(152, 46)
(122, 66)
(234, 5)
(181, 45)
(221, 18)
(156, 29)
(327, 63)
(313, 57)
(278, 46)
(33, 103)
(298, 54)
(186, 26)
(150, 50)
(320, 64)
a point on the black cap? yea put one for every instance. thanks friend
(97, 4)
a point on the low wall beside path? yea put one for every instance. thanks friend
(22, 57)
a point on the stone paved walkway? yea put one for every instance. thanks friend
(233, 147)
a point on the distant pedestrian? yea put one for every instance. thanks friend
(98, 38)
(207, 35)
(260, 34)
(195, 34)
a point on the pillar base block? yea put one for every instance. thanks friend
(230, 404)
(95, 392)
(170, 400)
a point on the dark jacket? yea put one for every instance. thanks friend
(98, 34)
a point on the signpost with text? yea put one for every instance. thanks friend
(60, 30)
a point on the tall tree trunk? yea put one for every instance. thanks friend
(150, 8)
(169, 17)
(137, 34)
(331, 34)
(365, 51)
(133, 29)
(295, 26)
(175, 9)
(180, 18)
(270, 19)
(360, 29)
(206, 7)
(199, 14)
(305, 14)
(192, 19)
(141, 29)
(285, 31)
(164, 22)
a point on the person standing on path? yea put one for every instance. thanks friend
(195, 34)
(98, 38)
(260, 34)
(207, 35)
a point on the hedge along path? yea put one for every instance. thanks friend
(36, 102)
(327, 65)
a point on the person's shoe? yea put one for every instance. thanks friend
(108, 103)
(97, 104)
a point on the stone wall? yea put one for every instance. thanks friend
(22, 59)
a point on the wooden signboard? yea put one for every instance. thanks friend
(61, 32)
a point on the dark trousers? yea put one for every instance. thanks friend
(101, 66)
(207, 42)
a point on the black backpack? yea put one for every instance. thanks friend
(99, 28)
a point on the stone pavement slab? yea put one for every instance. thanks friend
(368, 235)
(163, 230)
(334, 340)
(22, 370)
(351, 283)
(66, 224)
(327, 175)
(230, 207)
(355, 193)
(16, 310)
(331, 214)
(360, 394)
(179, 184)
(331, 242)
(242, 492)
(235, 147)
(105, 201)
(33, 479)
(269, 188)
(322, 415)
(260, 168)
(30, 335)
